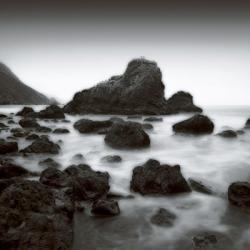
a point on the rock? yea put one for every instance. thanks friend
(228, 134)
(61, 131)
(3, 126)
(154, 178)
(32, 137)
(49, 163)
(181, 102)
(3, 116)
(11, 122)
(55, 178)
(239, 194)
(90, 126)
(198, 186)
(205, 241)
(138, 91)
(4, 183)
(28, 123)
(26, 111)
(247, 124)
(51, 112)
(42, 146)
(127, 135)
(240, 132)
(8, 147)
(105, 207)
(147, 126)
(43, 129)
(134, 117)
(153, 119)
(197, 124)
(112, 158)
(118, 196)
(9, 170)
(163, 218)
(88, 184)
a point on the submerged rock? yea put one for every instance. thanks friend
(49, 163)
(205, 241)
(90, 126)
(134, 117)
(163, 218)
(138, 91)
(112, 158)
(239, 194)
(105, 207)
(32, 137)
(228, 134)
(61, 131)
(154, 178)
(127, 135)
(8, 147)
(200, 187)
(153, 119)
(197, 124)
(43, 129)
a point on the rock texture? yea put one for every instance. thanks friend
(13, 91)
(163, 218)
(139, 90)
(8, 147)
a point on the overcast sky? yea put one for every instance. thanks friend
(62, 48)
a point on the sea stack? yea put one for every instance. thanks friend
(139, 90)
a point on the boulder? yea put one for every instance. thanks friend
(200, 187)
(163, 218)
(105, 207)
(42, 146)
(9, 170)
(239, 194)
(154, 178)
(51, 112)
(153, 119)
(127, 135)
(228, 134)
(112, 158)
(26, 111)
(28, 123)
(90, 126)
(61, 131)
(8, 147)
(138, 91)
(49, 163)
(197, 125)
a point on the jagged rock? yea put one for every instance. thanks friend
(26, 111)
(198, 186)
(28, 123)
(112, 158)
(8, 147)
(127, 135)
(197, 124)
(153, 119)
(154, 178)
(138, 91)
(49, 163)
(51, 112)
(9, 170)
(90, 126)
(42, 146)
(61, 131)
(105, 207)
(239, 194)
(228, 134)
(163, 218)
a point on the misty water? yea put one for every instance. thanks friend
(214, 160)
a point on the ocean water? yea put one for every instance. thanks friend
(214, 160)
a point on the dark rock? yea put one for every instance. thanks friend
(247, 124)
(61, 131)
(147, 126)
(127, 135)
(51, 112)
(105, 207)
(42, 146)
(134, 117)
(11, 122)
(4, 183)
(200, 187)
(28, 123)
(32, 137)
(204, 241)
(112, 158)
(163, 218)
(49, 163)
(78, 157)
(3, 116)
(55, 178)
(198, 124)
(239, 194)
(26, 111)
(228, 134)
(240, 132)
(138, 91)
(153, 119)
(181, 102)
(9, 170)
(8, 147)
(153, 178)
(118, 196)
(3, 126)
(43, 129)
(90, 126)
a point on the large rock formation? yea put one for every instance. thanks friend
(139, 90)
(13, 91)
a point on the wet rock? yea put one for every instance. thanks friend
(118, 196)
(134, 117)
(32, 137)
(3, 116)
(78, 157)
(28, 123)
(51, 112)
(11, 122)
(200, 187)
(8, 147)
(42, 146)
(163, 218)
(3, 126)
(240, 132)
(239, 194)
(105, 207)
(112, 158)
(127, 135)
(147, 126)
(90, 126)
(247, 124)
(55, 178)
(4, 183)
(61, 131)
(9, 170)
(207, 241)
(43, 129)
(198, 124)
(228, 134)
(154, 178)
(26, 111)
(20, 134)
(49, 163)
(153, 119)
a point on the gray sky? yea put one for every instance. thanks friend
(204, 50)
